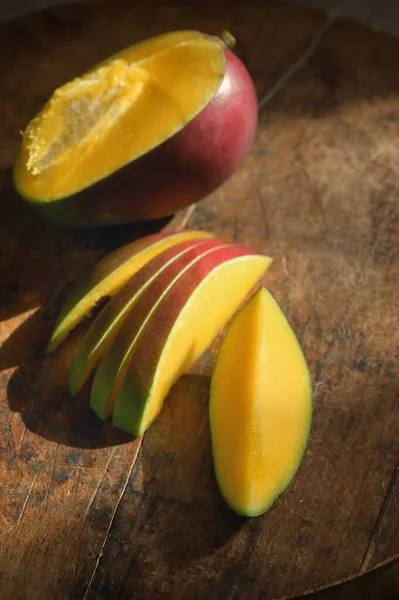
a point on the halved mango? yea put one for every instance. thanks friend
(151, 129)
(260, 407)
(183, 325)
(116, 112)
(109, 275)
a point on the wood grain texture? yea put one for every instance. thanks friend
(87, 512)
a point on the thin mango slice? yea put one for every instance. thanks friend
(109, 275)
(182, 327)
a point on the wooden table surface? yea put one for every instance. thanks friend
(88, 512)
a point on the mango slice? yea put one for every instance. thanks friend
(112, 369)
(107, 324)
(260, 407)
(184, 324)
(109, 275)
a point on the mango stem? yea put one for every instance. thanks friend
(228, 39)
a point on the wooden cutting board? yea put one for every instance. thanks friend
(86, 512)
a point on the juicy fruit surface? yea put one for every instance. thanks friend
(117, 112)
(260, 407)
(112, 369)
(107, 324)
(109, 276)
(183, 326)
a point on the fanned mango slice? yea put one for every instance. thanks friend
(107, 324)
(260, 407)
(109, 275)
(112, 369)
(184, 324)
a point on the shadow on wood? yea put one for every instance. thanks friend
(173, 500)
(39, 261)
(38, 390)
(381, 583)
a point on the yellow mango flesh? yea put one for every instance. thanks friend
(192, 330)
(112, 369)
(109, 276)
(117, 112)
(260, 407)
(105, 327)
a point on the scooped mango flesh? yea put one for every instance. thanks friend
(107, 324)
(260, 407)
(177, 335)
(109, 276)
(97, 123)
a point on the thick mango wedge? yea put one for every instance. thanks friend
(260, 407)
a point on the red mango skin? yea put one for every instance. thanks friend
(180, 171)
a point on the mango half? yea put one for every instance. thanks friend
(148, 131)
(260, 407)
